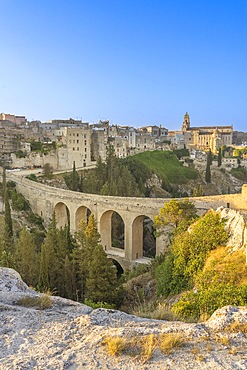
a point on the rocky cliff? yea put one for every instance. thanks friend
(236, 226)
(69, 335)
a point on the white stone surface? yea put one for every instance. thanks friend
(69, 336)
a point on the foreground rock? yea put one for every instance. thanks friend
(69, 335)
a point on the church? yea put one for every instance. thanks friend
(206, 137)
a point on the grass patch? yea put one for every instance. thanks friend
(159, 312)
(115, 345)
(237, 327)
(42, 302)
(167, 166)
(240, 173)
(224, 341)
(142, 348)
(168, 342)
(148, 345)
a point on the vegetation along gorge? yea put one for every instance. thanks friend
(202, 269)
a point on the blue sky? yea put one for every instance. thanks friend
(134, 62)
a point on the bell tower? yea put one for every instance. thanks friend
(186, 123)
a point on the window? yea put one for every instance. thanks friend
(73, 149)
(77, 134)
(85, 149)
(77, 148)
(85, 136)
(85, 142)
(77, 141)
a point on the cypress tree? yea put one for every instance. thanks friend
(4, 184)
(210, 157)
(52, 261)
(26, 257)
(219, 158)
(208, 171)
(96, 274)
(101, 282)
(69, 279)
(8, 240)
(7, 216)
(75, 179)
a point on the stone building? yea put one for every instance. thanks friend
(78, 143)
(206, 137)
(99, 143)
(18, 120)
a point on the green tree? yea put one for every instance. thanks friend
(7, 216)
(69, 279)
(74, 179)
(111, 162)
(210, 156)
(52, 260)
(174, 212)
(96, 274)
(26, 257)
(208, 170)
(4, 184)
(101, 282)
(47, 169)
(219, 158)
(188, 253)
(87, 237)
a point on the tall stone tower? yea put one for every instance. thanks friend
(186, 123)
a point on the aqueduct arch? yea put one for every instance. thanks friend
(138, 237)
(62, 214)
(105, 229)
(82, 213)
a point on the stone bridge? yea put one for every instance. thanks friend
(45, 199)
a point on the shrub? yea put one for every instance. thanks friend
(34, 219)
(21, 153)
(206, 300)
(32, 177)
(19, 203)
(94, 305)
(188, 254)
(11, 184)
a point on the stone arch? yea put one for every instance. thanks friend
(118, 265)
(62, 214)
(82, 213)
(139, 236)
(149, 239)
(106, 232)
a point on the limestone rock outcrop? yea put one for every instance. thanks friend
(236, 225)
(69, 335)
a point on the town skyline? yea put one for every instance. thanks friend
(133, 63)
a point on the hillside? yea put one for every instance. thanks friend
(153, 174)
(180, 180)
(167, 167)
